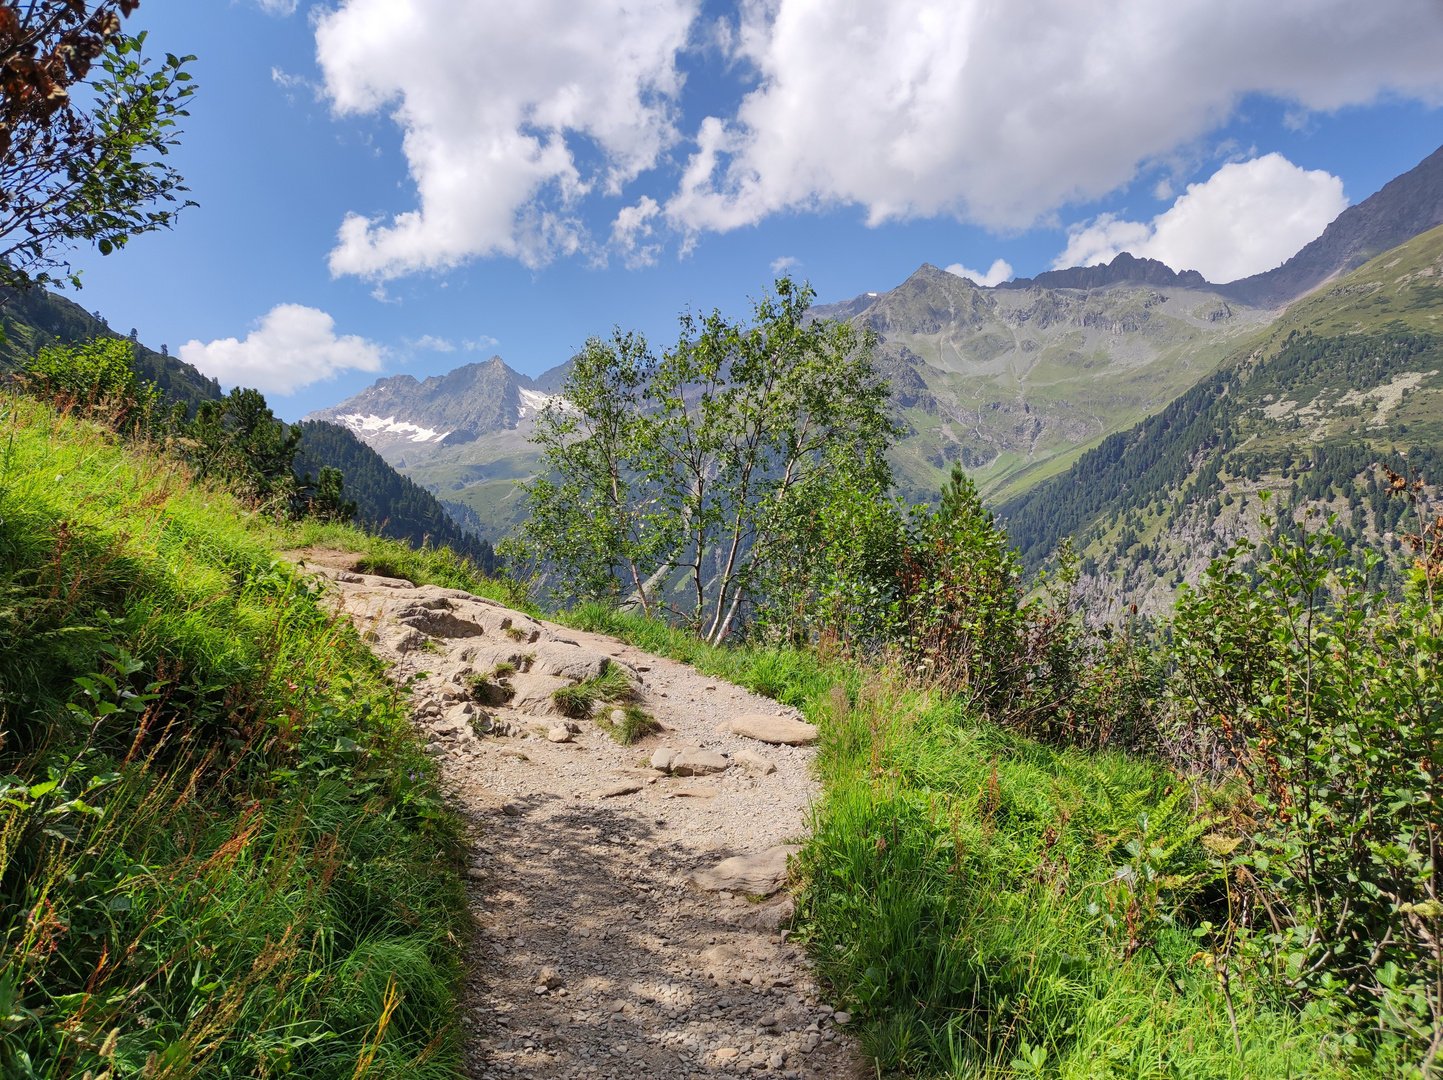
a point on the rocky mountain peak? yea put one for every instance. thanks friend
(1124, 267)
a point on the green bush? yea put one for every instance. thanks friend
(96, 379)
(1328, 701)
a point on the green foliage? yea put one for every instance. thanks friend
(985, 904)
(960, 607)
(224, 853)
(602, 511)
(327, 502)
(1327, 700)
(97, 378)
(705, 461)
(100, 175)
(835, 576)
(634, 724)
(238, 440)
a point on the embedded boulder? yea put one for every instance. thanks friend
(778, 730)
(752, 875)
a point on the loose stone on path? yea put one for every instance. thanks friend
(781, 730)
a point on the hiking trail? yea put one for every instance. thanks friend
(619, 931)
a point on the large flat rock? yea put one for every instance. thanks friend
(751, 875)
(775, 729)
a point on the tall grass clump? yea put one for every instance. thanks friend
(988, 905)
(224, 854)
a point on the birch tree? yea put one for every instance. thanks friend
(749, 418)
(682, 476)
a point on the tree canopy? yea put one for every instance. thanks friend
(86, 124)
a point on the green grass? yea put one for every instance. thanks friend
(383, 556)
(951, 878)
(791, 676)
(949, 883)
(612, 687)
(224, 853)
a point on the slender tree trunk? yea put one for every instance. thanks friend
(726, 627)
(726, 576)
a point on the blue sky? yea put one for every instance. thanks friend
(857, 139)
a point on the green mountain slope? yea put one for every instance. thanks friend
(1349, 380)
(32, 320)
(388, 503)
(1016, 381)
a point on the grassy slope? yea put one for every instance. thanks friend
(948, 884)
(266, 881)
(1017, 383)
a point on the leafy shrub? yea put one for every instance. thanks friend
(1329, 702)
(97, 379)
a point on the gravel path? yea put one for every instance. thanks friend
(597, 956)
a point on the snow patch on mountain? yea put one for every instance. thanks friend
(533, 401)
(364, 424)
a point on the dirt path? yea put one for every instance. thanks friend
(598, 955)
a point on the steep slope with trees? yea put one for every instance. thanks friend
(34, 318)
(387, 502)
(1343, 387)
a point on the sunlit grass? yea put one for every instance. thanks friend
(259, 859)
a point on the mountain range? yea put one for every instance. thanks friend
(1017, 381)
(1346, 384)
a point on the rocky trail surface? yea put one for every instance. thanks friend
(621, 932)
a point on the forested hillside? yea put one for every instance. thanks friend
(1313, 412)
(387, 502)
(35, 318)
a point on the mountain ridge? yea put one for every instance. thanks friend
(37, 318)
(1406, 206)
(1350, 379)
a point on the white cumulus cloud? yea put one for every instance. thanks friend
(783, 263)
(519, 119)
(997, 273)
(632, 230)
(293, 346)
(277, 7)
(999, 113)
(496, 99)
(1246, 218)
